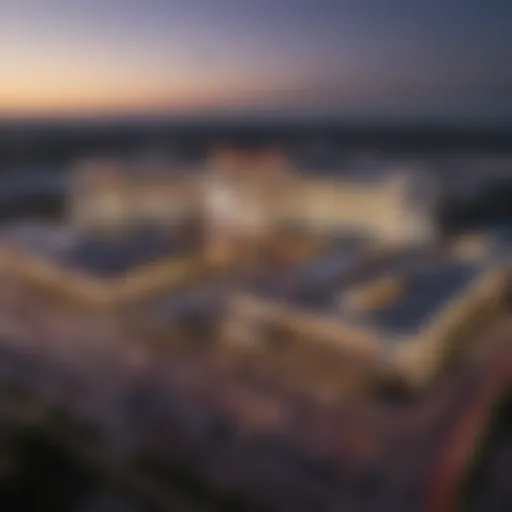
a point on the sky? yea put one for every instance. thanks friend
(362, 59)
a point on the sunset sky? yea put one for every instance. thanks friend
(447, 59)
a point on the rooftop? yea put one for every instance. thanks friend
(424, 294)
(95, 254)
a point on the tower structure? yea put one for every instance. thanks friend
(241, 191)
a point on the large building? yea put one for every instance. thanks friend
(250, 191)
(241, 202)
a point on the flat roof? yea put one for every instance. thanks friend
(291, 284)
(95, 254)
(310, 283)
(427, 293)
(431, 279)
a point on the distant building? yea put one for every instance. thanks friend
(241, 194)
(380, 208)
(107, 195)
(241, 191)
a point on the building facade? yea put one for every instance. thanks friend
(238, 194)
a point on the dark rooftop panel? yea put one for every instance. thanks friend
(311, 283)
(429, 292)
(97, 255)
(101, 255)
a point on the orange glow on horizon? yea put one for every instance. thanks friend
(29, 100)
(89, 96)
(66, 87)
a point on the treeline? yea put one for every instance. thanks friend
(59, 142)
